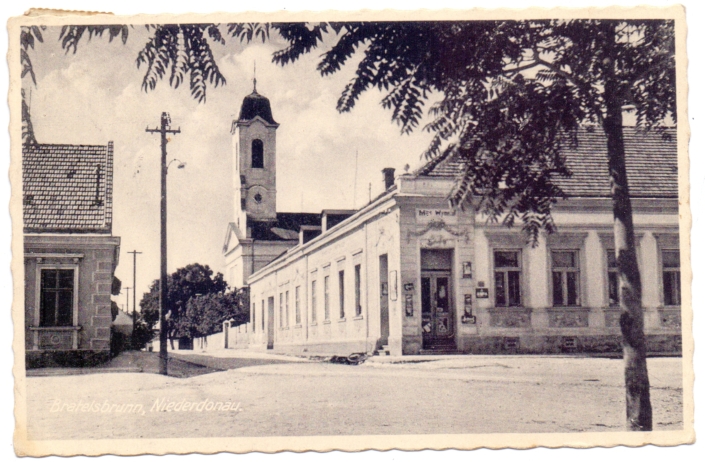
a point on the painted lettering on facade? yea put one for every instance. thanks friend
(426, 215)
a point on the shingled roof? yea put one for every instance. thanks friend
(67, 188)
(651, 157)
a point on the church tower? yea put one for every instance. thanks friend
(254, 161)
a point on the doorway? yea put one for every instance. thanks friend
(270, 323)
(383, 300)
(437, 304)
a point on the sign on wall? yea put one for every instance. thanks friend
(482, 292)
(426, 215)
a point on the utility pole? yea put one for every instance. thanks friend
(163, 289)
(134, 291)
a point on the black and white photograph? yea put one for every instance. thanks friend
(316, 231)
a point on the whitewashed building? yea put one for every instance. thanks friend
(407, 274)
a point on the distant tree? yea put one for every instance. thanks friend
(143, 332)
(205, 314)
(183, 284)
(114, 310)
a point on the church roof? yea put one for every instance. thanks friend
(651, 158)
(285, 228)
(67, 188)
(255, 105)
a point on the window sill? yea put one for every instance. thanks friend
(327, 321)
(57, 328)
(314, 323)
(357, 318)
(298, 326)
(341, 320)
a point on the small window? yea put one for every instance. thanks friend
(671, 263)
(286, 318)
(313, 301)
(56, 298)
(257, 154)
(281, 310)
(297, 305)
(341, 293)
(262, 317)
(358, 305)
(507, 278)
(566, 278)
(252, 317)
(326, 298)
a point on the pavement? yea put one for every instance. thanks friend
(277, 395)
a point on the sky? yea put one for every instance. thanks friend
(94, 96)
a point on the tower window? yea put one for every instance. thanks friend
(257, 154)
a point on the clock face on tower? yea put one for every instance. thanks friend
(257, 202)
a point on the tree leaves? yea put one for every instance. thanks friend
(184, 51)
(71, 35)
(28, 36)
(514, 94)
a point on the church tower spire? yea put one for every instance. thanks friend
(254, 161)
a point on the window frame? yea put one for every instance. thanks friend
(314, 314)
(341, 292)
(358, 290)
(607, 241)
(38, 293)
(663, 271)
(253, 316)
(281, 310)
(297, 305)
(326, 297)
(260, 165)
(505, 270)
(563, 271)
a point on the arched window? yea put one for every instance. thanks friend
(257, 154)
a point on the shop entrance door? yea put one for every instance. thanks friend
(436, 308)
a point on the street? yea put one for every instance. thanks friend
(267, 395)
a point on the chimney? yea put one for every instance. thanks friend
(388, 177)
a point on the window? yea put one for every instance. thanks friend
(262, 317)
(341, 292)
(326, 298)
(671, 263)
(297, 305)
(507, 278)
(612, 279)
(281, 310)
(313, 301)
(286, 319)
(56, 298)
(566, 278)
(358, 306)
(254, 311)
(257, 154)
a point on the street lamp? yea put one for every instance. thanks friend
(163, 130)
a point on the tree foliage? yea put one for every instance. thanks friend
(187, 282)
(205, 314)
(513, 93)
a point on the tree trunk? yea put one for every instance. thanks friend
(631, 318)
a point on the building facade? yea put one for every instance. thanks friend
(70, 254)
(407, 274)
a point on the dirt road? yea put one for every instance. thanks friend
(463, 394)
